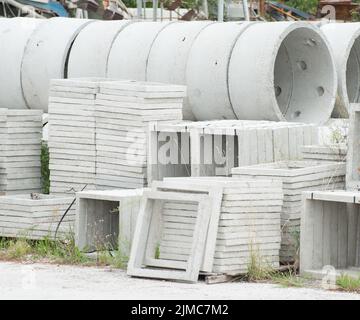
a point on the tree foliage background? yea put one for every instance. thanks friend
(309, 6)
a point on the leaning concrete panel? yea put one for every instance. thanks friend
(14, 35)
(169, 55)
(46, 57)
(89, 55)
(282, 71)
(130, 51)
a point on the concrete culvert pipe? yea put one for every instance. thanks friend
(90, 51)
(169, 55)
(207, 70)
(130, 51)
(14, 35)
(46, 56)
(283, 71)
(344, 39)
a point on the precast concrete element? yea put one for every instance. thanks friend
(282, 71)
(46, 56)
(344, 39)
(14, 35)
(90, 51)
(207, 70)
(169, 55)
(130, 51)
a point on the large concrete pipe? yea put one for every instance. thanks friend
(344, 39)
(282, 71)
(169, 55)
(46, 56)
(207, 70)
(130, 51)
(14, 35)
(90, 51)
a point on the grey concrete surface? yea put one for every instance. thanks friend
(45, 281)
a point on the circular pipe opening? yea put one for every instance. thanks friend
(304, 70)
(353, 73)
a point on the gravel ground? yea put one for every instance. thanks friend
(44, 281)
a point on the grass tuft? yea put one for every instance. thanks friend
(115, 259)
(63, 251)
(348, 283)
(288, 279)
(45, 172)
(18, 249)
(258, 270)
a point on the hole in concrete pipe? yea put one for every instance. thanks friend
(298, 97)
(277, 91)
(320, 90)
(311, 42)
(296, 114)
(302, 65)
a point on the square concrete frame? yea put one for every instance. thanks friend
(96, 221)
(147, 229)
(330, 232)
(215, 194)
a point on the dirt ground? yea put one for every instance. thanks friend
(44, 281)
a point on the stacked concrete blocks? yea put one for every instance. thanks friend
(20, 144)
(297, 176)
(124, 110)
(35, 216)
(72, 135)
(334, 152)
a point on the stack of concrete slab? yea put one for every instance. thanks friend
(124, 110)
(247, 226)
(72, 135)
(297, 176)
(35, 216)
(208, 148)
(20, 151)
(334, 152)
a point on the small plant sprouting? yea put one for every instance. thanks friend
(157, 251)
(348, 283)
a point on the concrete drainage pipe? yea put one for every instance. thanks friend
(90, 51)
(344, 39)
(282, 71)
(46, 57)
(14, 35)
(169, 55)
(130, 51)
(207, 70)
